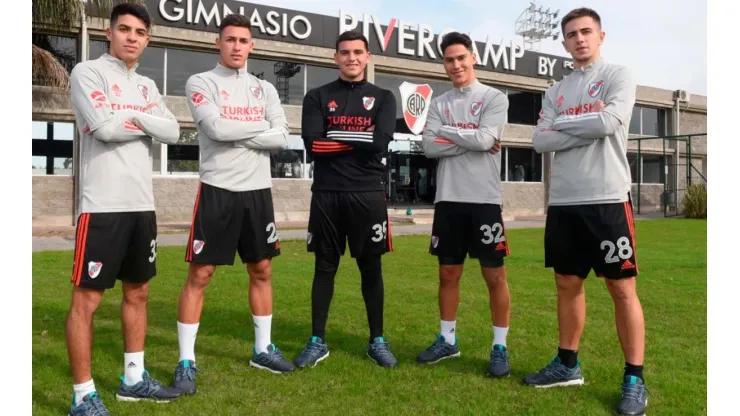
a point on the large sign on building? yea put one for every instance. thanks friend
(393, 38)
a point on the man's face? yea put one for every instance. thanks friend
(351, 58)
(459, 63)
(583, 38)
(234, 45)
(128, 37)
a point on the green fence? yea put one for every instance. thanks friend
(674, 164)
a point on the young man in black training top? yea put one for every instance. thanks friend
(346, 126)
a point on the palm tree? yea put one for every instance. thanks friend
(59, 15)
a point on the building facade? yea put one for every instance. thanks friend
(294, 51)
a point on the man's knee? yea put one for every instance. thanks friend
(449, 274)
(85, 301)
(622, 290)
(200, 275)
(135, 293)
(569, 284)
(326, 264)
(260, 271)
(369, 265)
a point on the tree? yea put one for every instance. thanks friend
(59, 15)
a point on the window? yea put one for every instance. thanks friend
(290, 163)
(181, 64)
(317, 76)
(52, 149)
(522, 165)
(393, 83)
(653, 168)
(632, 159)
(151, 62)
(184, 157)
(286, 77)
(648, 121)
(524, 107)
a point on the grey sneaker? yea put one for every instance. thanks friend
(438, 351)
(147, 389)
(315, 351)
(499, 365)
(272, 361)
(556, 374)
(379, 352)
(184, 379)
(91, 406)
(634, 397)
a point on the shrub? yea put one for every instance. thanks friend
(695, 202)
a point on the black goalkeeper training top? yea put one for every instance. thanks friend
(346, 127)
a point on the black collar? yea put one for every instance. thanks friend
(351, 84)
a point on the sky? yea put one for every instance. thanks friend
(664, 42)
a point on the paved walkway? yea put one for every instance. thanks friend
(67, 242)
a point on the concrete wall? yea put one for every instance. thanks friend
(523, 198)
(650, 198)
(52, 200)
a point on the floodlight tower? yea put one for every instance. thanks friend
(535, 24)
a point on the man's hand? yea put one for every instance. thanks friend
(496, 147)
(598, 106)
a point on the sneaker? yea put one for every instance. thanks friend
(379, 352)
(147, 389)
(315, 351)
(91, 406)
(499, 365)
(184, 379)
(634, 397)
(556, 374)
(272, 361)
(438, 351)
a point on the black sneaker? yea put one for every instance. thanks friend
(147, 389)
(634, 397)
(379, 352)
(555, 374)
(315, 351)
(272, 361)
(438, 351)
(91, 406)
(184, 378)
(499, 365)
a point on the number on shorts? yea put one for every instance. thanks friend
(273, 233)
(488, 233)
(381, 231)
(613, 255)
(153, 245)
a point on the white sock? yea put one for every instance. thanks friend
(83, 389)
(499, 336)
(448, 331)
(133, 367)
(186, 337)
(262, 326)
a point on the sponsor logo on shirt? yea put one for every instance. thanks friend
(560, 100)
(476, 107)
(198, 99)
(224, 95)
(349, 123)
(116, 90)
(332, 106)
(242, 113)
(581, 109)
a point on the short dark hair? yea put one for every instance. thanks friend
(352, 35)
(134, 9)
(235, 20)
(580, 12)
(456, 38)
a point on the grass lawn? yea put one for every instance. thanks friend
(672, 286)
